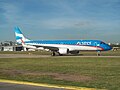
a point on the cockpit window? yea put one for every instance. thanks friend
(102, 43)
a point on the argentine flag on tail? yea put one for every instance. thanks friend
(19, 36)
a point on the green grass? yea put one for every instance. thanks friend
(94, 72)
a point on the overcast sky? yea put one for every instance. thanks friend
(61, 19)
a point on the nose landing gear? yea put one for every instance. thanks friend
(98, 53)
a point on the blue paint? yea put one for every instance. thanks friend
(94, 43)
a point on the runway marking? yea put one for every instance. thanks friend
(47, 85)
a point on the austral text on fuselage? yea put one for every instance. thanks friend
(83, 43)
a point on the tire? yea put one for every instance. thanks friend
(53, 54)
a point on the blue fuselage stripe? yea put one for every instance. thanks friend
(90, 43)
(68, 42)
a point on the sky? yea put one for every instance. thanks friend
(61, 19)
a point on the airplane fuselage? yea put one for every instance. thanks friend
(72, 44)
(61, 46)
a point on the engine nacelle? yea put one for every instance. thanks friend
(40, 48)
(63, 50)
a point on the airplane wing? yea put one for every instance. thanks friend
(39, 47)
(51, 48)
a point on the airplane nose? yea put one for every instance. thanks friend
(109, 47)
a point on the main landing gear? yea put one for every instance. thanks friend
(53, 53)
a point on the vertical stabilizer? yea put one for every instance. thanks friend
(19, 36)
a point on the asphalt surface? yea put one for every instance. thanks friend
(39, 56)
(9, 86)
(22, 56)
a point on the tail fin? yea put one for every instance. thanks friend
(20, 36)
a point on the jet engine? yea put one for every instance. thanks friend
(63, 50)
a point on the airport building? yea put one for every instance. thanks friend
(10, 46)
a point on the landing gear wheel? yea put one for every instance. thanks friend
(53, 53)
(98, 53)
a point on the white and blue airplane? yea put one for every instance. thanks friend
(61, 46)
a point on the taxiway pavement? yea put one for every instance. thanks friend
(11, 86)
(39, 56)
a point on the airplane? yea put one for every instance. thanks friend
(62, 47)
